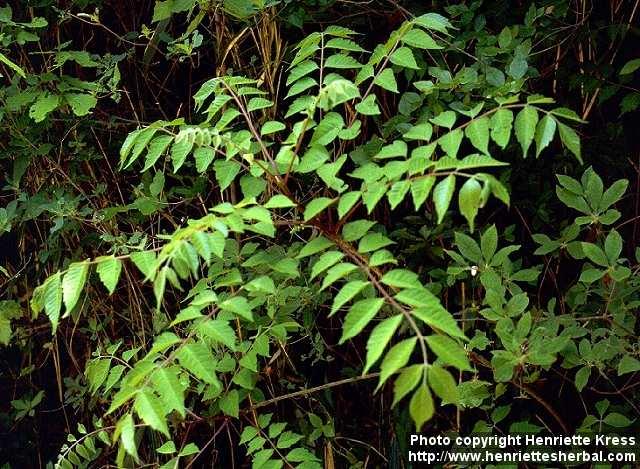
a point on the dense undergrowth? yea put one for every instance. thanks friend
(287, 234)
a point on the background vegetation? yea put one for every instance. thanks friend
(286, 233)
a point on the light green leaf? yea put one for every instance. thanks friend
(314, 246)
(443, 384)
(128, 436)
(73, 282)
(396, 358)
(421, 406)
(379, 338)
(525, 127)
(198, 360)
(449, 351)
(401, 278)
(52, 297)
(544, 133)
(145, 261)
(346, 294)
(570, 140)
(478, 134)
(470, 200)
(387, 80)
(168, 386)
(337, 272)
(403, 57)
(501, 123)
(316, 206)
(279, 201)
(445, 119)
(359, 315)
(271, 127)
(347, 201)
(442, 194)
(149, 409)
(420, 189)
(219, 331)
(406, 381)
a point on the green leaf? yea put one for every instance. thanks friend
(489, 243)
(279, 201)
(403, 57)
(397, 192)
(156, 148)
(45, 103)
(168, 386)
(258, 103)
(226, 172)
(355, 230)
(630, 67)
(445, 119)
(81, 103)
(470, 200)
(128, 436)
(149, 409)
(368, 106)
(52, 297)
(343, 44)
(397, 148)
(582, 377)
(617, 420)
(419, 39)
(478, 134)
(337, 272)
(443, 384)
(613, 246)
(179, 151)
(525, 127)
(230, 403)
(544, 133)
(628, 364)
(421, 407)
(501, 123)
(314, 246)
(570, 140)
(325, 261)
(359, 315)
(396, 358)
(379, 338)
(387, 80)
(373, 242)
(346, 294)
(167, 448)
(347, 201)
(219, 331)
(442, 194)
(406, 381)
(16, 68)
(420, 189)
(449, 351)
(271, 127)
(316, 206)
(73, 282)
(450, 142)
(595, 254)
(434, 314)
(238, 305)
(401, 278)
(198, 360)
(145, 261)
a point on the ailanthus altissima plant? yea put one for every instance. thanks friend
(337, 213)
(238, 289)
